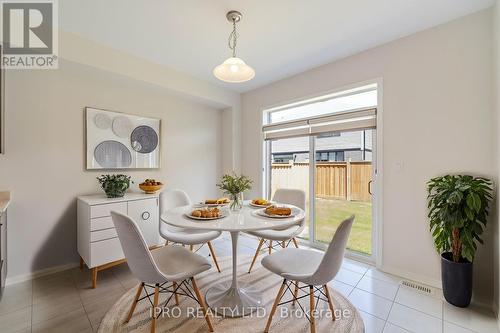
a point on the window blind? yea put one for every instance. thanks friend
(352, 120)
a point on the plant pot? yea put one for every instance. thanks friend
(457, 280)
(115, 194)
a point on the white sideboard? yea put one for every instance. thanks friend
(98, 243)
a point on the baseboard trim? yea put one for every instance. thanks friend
(412, 276)
(39, 273)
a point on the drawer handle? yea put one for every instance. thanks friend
(145, 216)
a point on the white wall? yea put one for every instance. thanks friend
(437, 119)
(83, 51)
(44, 164)
(496, 95)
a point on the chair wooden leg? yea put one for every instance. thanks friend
(295, 292)
(175, 293)
(191, 248)
(275, 306)
(295, 243)
(166, 242)
(202, 304)
(283, 244)
(81, 263)
(94, 277)
(270, 246)
(311, 309)
(330, 301)
(155, 304)
(256, 254)
(212, 252)
(134, 303)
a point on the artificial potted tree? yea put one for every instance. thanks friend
(458, 212)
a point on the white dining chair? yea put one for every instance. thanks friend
(176, 198)
(281, 238)
(169, 269)
(311, 268)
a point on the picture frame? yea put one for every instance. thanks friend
(121, 141)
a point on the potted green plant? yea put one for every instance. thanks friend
(458, 211)
(234, 186)
(114, 186)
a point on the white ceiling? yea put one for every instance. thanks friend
(278, 38)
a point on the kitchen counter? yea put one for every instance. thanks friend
(4, 201)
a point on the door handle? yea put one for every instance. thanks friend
(370, 187)
(145, 216)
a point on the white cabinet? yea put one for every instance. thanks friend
(98, 243)
(145, 213)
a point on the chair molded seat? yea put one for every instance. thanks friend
(299, 263)
(284, 235)
(277, 235)
(177, 263)
(187, 236)
(178, 198)
(314, 269)
(169, 269)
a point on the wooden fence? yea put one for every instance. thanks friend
(334, 180)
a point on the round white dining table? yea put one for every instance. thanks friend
(232, 298)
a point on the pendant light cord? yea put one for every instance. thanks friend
(232, 41)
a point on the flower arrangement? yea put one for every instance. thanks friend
(234, 186)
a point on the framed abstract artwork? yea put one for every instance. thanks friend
(117, 140)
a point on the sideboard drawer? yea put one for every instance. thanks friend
(103, 234)
(101, 223)
(105, 210)
(105, 251)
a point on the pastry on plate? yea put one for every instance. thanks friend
(206, 213)
(282, 211)
(211, 201)
(223, 201)
(260, 202)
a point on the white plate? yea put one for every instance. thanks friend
(262, 212)
(205, 218)
(269, 203)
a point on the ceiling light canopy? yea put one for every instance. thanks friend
(234, 69)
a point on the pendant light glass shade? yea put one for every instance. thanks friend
(234, 70)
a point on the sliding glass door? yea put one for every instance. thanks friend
(326, 146)
(342, 181)
(289, 168)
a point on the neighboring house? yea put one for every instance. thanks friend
(334, 147)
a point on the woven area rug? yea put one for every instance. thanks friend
(288, 318)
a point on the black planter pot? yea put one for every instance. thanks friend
(457, 280)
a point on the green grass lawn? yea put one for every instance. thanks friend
(330, 213)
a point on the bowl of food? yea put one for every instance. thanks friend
(150, 186)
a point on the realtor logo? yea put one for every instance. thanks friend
(29, 34)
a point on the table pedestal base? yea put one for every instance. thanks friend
(229, 301)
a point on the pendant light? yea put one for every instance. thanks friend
(234, 69)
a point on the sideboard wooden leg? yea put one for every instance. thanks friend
(81, 263)
(94, 277)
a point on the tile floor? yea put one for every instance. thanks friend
(64, 302)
